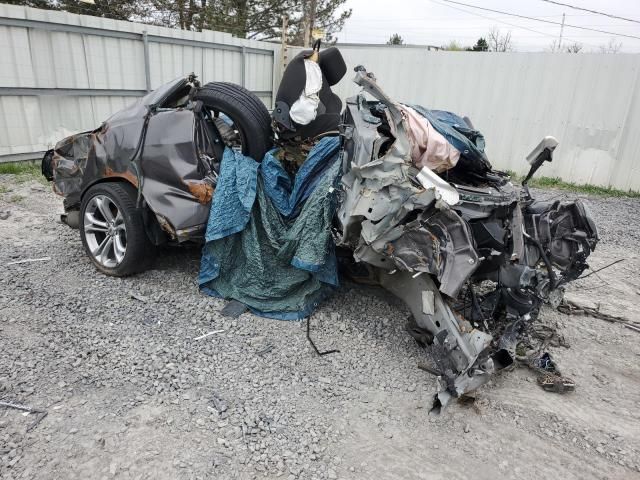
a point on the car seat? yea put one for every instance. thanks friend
(292, 85)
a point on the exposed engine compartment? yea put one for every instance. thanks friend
(472, 255)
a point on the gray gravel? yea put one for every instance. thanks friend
(131, 394)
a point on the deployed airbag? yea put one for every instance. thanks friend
(429, 148)
(305, 109)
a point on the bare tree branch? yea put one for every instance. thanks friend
(499, 42)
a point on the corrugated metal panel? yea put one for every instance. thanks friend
(589, 102)
(57, 50)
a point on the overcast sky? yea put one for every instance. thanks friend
(434, 22)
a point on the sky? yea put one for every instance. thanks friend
(435, 22)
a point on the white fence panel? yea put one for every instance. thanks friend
(590, 102)
(62, 73)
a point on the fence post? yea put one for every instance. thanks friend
(147, 69)
(244, 66)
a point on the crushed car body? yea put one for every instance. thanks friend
(473, 256)
(164, 145)
(417, 205)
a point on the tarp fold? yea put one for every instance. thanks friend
(268, 240)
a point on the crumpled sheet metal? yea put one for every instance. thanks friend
(439, 243)
(69, 161)
(458, 346)
(393, 221)
(152, 149)
(379, 194)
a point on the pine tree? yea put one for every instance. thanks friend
(395, 39)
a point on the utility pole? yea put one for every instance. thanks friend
(283, 44)
(309, 20)
(561, 30)
(312, 18)
(305, 12)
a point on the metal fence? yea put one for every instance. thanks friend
(62, 73)
(589, 102)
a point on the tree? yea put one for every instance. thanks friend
(44, 4)
(395, 39)
(575, 47)
(116, 9)
(611, 47)
(242, 18)
(255, 19)
(480, 46)
(554, 47)
(453, 46)
(329, 16)
(499, 42)
(259, 19)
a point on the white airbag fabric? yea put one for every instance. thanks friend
(305, 109)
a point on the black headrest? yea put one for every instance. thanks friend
(332, 65)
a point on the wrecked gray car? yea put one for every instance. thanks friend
(421, 211)
(473, 256)
(146, 176)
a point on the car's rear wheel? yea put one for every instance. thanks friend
(248, 124)
(112, 230)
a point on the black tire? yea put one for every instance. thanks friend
(139, 251)
(246, 110)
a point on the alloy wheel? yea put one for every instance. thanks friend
(105, 231)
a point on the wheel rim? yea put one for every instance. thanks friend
(105, 231)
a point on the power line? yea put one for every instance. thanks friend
(422, 22)
(540, 20)
(494, 19)
(592, 11)
(506, 23)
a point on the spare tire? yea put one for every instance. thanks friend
(247, 112)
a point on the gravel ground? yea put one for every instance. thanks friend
(131, 393)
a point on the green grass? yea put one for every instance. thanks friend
(23, 171)
(20, 168)
(558, 183)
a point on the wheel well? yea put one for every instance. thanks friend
(152, 227)
(123, 180)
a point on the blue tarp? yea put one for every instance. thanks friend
(268, 239)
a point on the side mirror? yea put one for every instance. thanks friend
(543, 152)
